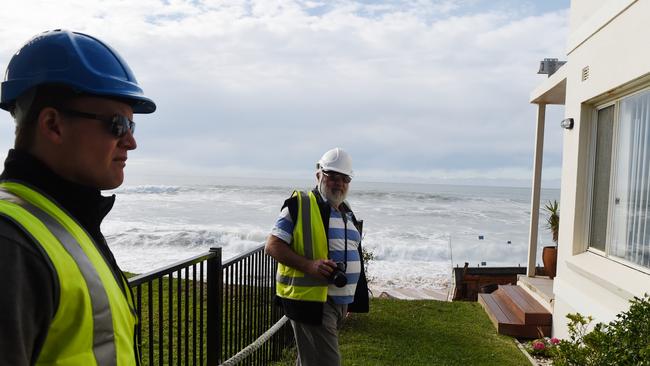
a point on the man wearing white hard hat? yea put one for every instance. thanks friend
(317, 242)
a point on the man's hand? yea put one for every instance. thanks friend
(320, 268)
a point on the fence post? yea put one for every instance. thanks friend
(214, 315)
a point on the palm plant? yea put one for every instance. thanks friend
(553, 220)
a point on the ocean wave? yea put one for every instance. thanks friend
(185, 238)
(408, 196)
(426, 252)
(150, 189)
(409, 233)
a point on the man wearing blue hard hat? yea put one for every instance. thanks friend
(64, 299)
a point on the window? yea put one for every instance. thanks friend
(603, 156)
(620, 209)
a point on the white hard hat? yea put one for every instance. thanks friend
(336, 160)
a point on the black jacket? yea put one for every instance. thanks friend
(28, 283)
(311, 312)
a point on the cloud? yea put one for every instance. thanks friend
(410, 86)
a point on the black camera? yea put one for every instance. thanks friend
(337, 277)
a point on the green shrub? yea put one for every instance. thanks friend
(623, 341)
(368, 256)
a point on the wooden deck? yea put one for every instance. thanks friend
(515, 313)
(468, 281)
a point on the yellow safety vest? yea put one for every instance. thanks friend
(310, 241)
(94, 321)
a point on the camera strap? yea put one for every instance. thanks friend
(344, 216)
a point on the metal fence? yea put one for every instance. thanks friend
(201, 311)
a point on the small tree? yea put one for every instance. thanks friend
(368, 256)
(553, 220)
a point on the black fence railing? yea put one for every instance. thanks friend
(202, 311)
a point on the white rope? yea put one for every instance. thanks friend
(241, 355)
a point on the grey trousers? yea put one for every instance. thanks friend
(318, 345)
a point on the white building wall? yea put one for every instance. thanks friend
(614, 48)
(582, 11)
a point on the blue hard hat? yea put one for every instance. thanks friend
(77, 60)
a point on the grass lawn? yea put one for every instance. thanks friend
(395, 332)
(399, 332)
(249, 317)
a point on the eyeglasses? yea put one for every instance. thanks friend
(118, 123)
(336, 176)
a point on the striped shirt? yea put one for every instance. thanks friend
(283, 230)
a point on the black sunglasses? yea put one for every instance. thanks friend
(335, 176)
(118, 123)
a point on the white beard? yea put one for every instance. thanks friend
(333, 198)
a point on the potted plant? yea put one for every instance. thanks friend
(549, 253)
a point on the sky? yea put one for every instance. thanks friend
(416, 91)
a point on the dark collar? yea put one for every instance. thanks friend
(85, 204)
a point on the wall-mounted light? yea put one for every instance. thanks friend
(567, 123)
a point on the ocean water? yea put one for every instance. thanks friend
(416, 232)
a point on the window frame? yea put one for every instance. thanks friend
(616, 102)
(592, 172)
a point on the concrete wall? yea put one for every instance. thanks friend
(610, 38)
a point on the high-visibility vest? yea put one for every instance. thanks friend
(94, 321)
(310, 241)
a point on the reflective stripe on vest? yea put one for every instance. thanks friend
(309, 240)
(94, 321)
